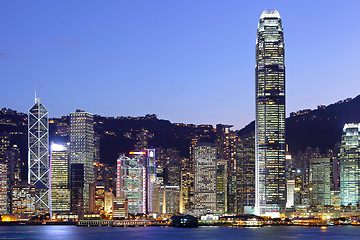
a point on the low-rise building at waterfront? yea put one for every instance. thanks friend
(120, 208)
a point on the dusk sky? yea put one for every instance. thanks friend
(186, 61)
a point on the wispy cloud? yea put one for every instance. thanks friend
(3, 55)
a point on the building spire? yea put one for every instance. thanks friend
(36, 97)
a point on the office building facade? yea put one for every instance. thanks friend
(205, 155)
(97, 197)
(4, 189)
(290, 186)
(245, 176)
(221, 185)
(38, 155)
(225, 144)
(23, 199)
(77, 187)
(10, 155)
(151, 177)
(120, 208)
(320, 171)
(270, 116)
(349, 158)
(60, 187)
(82, 148)
(131, 182)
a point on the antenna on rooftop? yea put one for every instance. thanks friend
(35, 89)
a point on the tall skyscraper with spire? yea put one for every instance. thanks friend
(270, 116)
(38, 155)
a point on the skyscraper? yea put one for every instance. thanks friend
(60, 188)
(10, 155)
(205, 178)
(245, 177)
(82, 148)
(221, 185)
(4, 189)
(290, 186)
(320, 171)
(131, 182)
(38, 155)
(270, 116)
(225, 143)
(77, 187)
(349, 157)
(151, 177)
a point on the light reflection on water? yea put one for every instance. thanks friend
(169, 233)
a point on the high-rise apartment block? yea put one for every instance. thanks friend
(205, 155)
(82, 148)
(38, 155)
(349, 157)
(270, 116)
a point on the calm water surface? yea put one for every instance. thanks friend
(169, 233)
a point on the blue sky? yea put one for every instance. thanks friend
(187, 61)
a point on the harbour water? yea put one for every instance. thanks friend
(170, 233)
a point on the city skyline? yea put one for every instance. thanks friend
(213, 44)
(118, 69)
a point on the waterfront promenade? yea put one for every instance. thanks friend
(45, 232)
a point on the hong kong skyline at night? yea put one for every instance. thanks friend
(210, 116)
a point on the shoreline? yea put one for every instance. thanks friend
(21, 223)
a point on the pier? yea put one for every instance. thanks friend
(88, 223)
(131, 223)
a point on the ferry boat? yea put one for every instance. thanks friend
(309, 221)
(184, 221)
(245, 220)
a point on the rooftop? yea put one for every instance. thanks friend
(270, 14)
